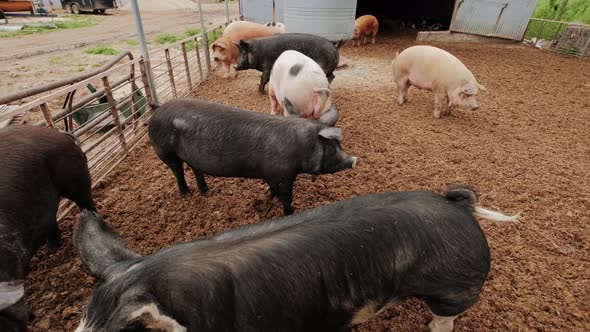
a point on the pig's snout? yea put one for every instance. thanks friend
(216, 59)
(474, 107)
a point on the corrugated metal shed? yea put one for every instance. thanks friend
(259, 11)
(331, 19)
(494, 18)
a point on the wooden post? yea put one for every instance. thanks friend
(146, 84)
(170, 72)
(47, 115)
(186, 67)
(114, 112)
(198, 57)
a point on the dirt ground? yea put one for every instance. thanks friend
(526, 149)
(35, 59)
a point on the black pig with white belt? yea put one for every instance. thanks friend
(326, 269)
(220, 140)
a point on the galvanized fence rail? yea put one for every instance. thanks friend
(568, 38)
(109, 112)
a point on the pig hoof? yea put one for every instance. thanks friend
(185, 192)
(400, 101)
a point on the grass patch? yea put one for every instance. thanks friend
(575, 10)
(73, 22)
(190, 45)
(166, 39)
(102, 49)
(192, 32)
(132, 42)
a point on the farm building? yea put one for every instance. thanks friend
(502, 19)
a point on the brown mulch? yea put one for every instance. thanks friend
(526, 149)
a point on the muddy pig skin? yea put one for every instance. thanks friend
(324, 269)
(299, 86)
(224, 48)
(220, 140)
(277, 25)
(37, 166)
(436, 70)
(261, 53)
(365, 26)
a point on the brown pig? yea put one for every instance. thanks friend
(224, 49)
(366, 25)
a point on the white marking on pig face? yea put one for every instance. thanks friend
(11, 292)
(180, 124)
(151, 318)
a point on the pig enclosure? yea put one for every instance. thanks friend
(526, 149)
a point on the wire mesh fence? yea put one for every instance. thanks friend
(568, 38)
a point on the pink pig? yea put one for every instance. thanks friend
(300, 87)
(434, 69)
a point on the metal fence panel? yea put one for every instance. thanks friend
(568, 38)
(495, 18)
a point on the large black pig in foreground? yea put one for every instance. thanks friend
(325, 269)
(261, 53)
(37, 166)
(220, 140)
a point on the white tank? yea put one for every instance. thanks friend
(331, 19)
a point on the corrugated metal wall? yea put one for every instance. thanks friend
(495, 18)
(259, 11)
(331, 19)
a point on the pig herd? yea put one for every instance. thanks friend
(325, 269)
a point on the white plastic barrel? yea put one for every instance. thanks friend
(331, 19)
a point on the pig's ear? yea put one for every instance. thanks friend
(481, 87)
(220, 44)
(243, 45)
(149, 317)
(99, 245)
(331, 133)
(469, 89)
(324, 92)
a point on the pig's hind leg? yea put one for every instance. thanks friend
(178, 170)
(201, 183)
(274, 103)
(403, 84)
(263, 80)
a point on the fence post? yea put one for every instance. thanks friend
(47, 115)
(146, 83)
(188, 71)
(170, 72)
(114, 112)
(205, 39)
(198, 57)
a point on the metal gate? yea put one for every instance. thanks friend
(495, 18)
(260, 11)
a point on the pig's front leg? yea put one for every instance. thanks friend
(274, 103)
(263, 80)
(283, 188)
(439, 104)
(227, 66)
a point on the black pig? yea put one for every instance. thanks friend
(220, 140)
(37, 167)
(261, 53)
(326, 269)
